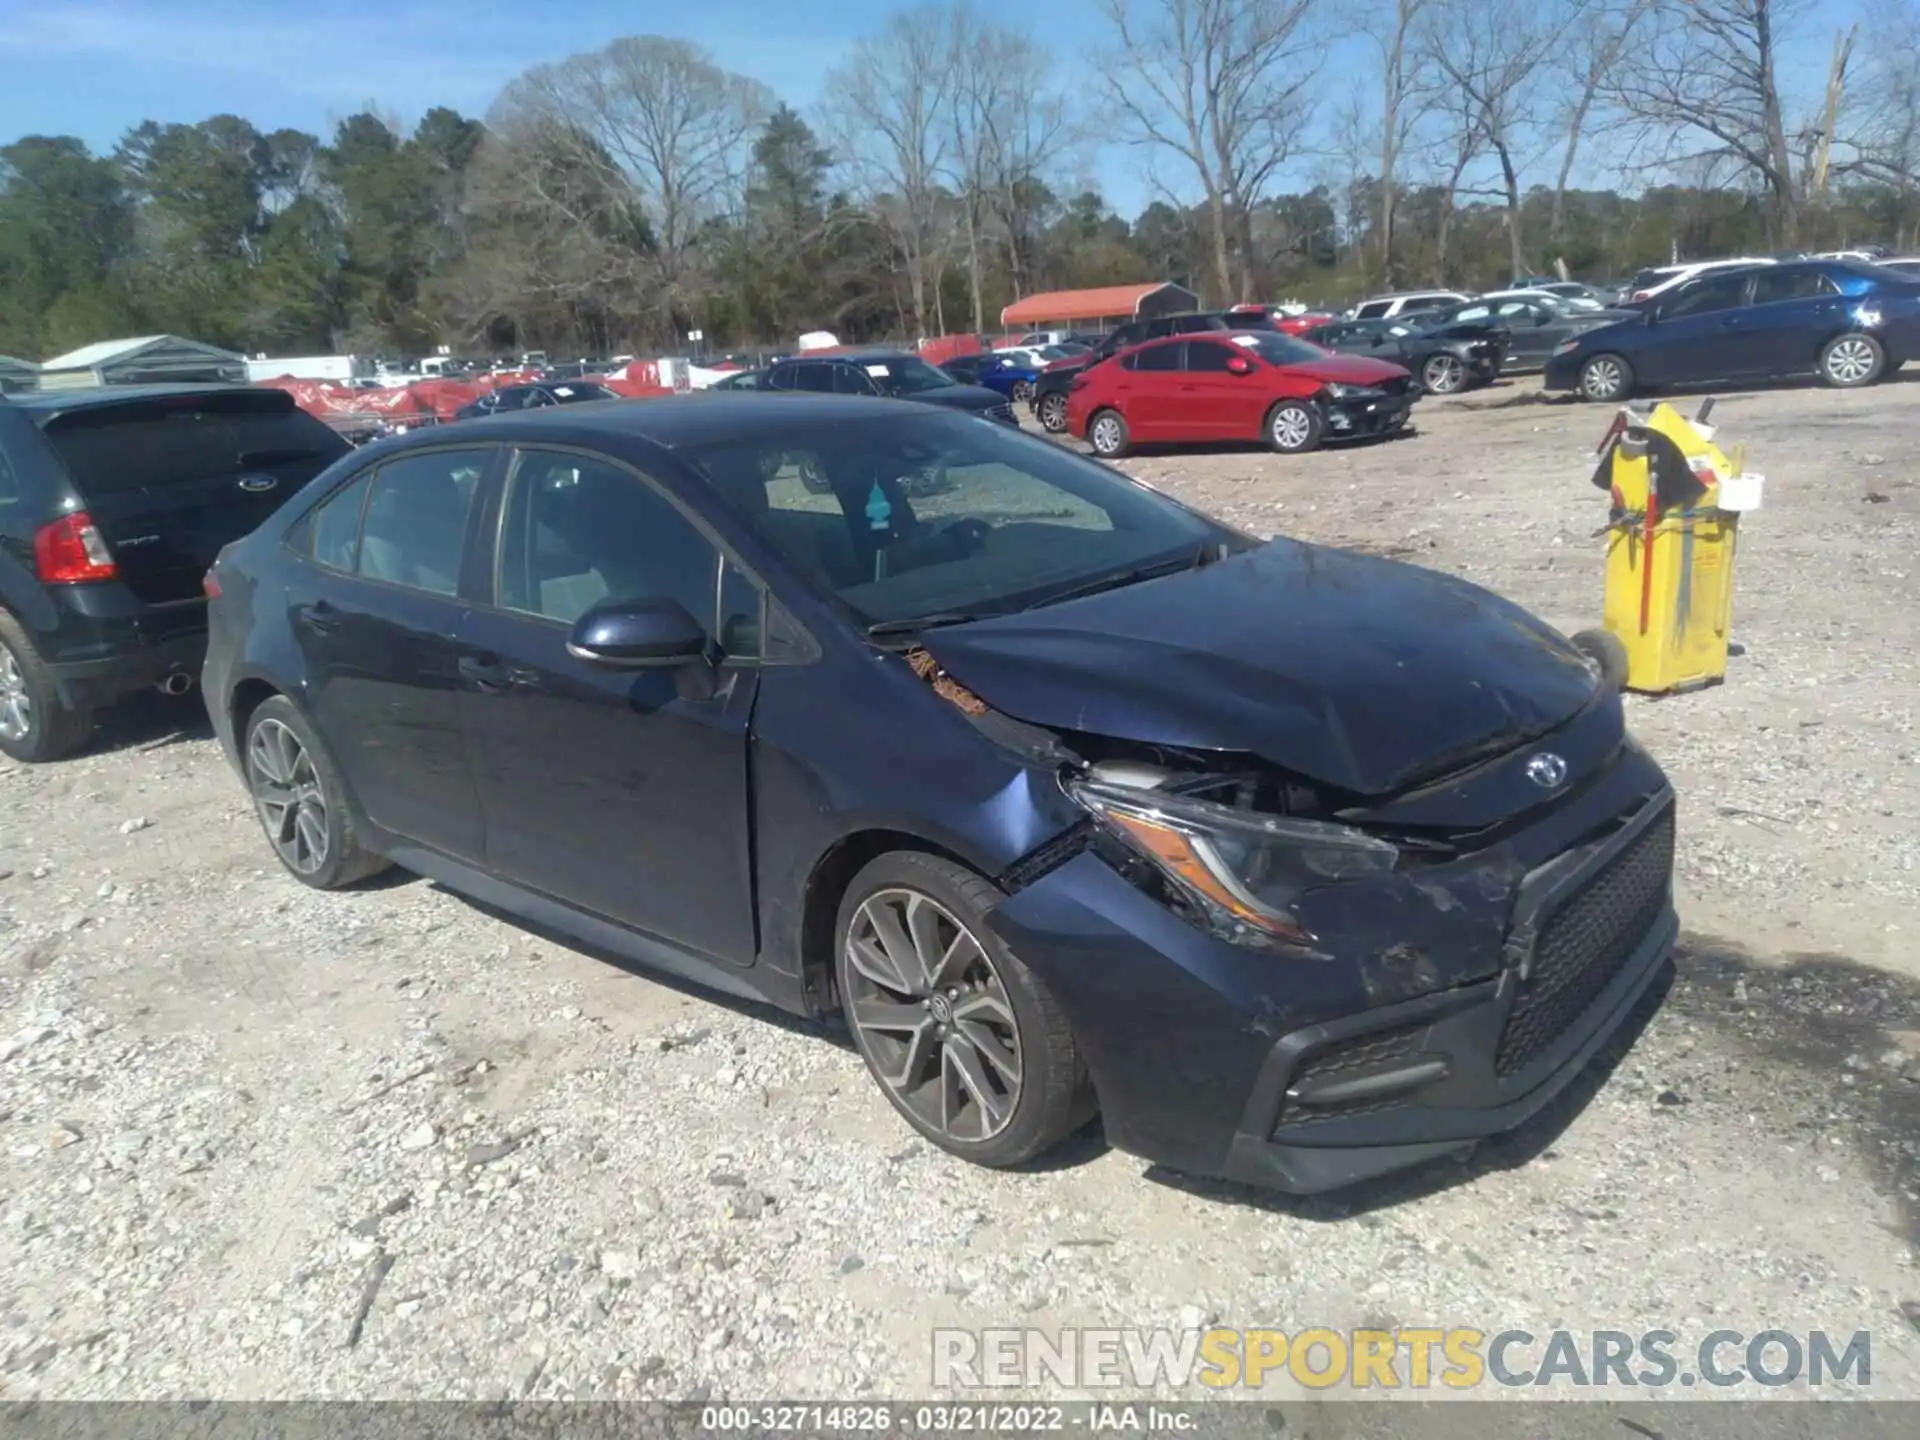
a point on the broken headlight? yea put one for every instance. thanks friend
(1241, 872)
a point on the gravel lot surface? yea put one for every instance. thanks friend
(257, 1142)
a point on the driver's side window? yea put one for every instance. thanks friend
(581, 531)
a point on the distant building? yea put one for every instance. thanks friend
(145, 360)
(1104, 306)
(17, 374)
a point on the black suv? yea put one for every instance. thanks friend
(1049, 398)
(892, 373)
(113, 502)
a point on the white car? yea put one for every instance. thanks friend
(1656, 280)
(1410, 302)
(1572, 302)
(1905, 264)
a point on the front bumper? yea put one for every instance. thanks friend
(1562, 372)
(1360, 419)
(1436, 1025)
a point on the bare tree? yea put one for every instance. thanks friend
(1704, 86)
(1222, 85)
(1879, 121)
(1491, 53)
(1599, 41)
(890, 119)
(1391, 28)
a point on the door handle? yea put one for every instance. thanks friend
(492, 674)
(318, 616)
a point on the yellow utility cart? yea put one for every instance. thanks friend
(1675, 500)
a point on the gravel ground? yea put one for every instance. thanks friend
(257, 1142)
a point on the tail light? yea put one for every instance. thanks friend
(70, 552)
(210, 585)
(1076, 382)
(1640, 294)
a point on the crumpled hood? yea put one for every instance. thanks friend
(1362, 674)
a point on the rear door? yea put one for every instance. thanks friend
(1792, 312)
(169, 480)
(1156, 406)
(375, 613)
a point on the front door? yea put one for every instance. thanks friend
(622, 792)
(375, 615)
(1699, 334)
(1223, 405)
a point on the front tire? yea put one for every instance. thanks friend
(1052, 411)
(965, 1041)
(35, 725)
(1023, 392)
(302, 805)
(1850, 361)
(1293, 427)
(1606, 378)
(1107, 434)
(1443, 375)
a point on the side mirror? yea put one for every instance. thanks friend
(637, 635)
(1239, 365)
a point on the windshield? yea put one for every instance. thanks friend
(905, 375)
(944, 514)
(1278, 348)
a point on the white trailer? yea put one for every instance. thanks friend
(311, 367)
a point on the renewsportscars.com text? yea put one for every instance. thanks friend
(1456, 1358)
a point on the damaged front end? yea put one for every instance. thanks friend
(1300, 986)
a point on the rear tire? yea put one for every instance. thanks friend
(1052, 411)
(969, 1046)
(1023, 392)
(1849, 361)
(35, 725)
(1606, 378)
(1107, 434)
(1293, 427)
(301, 802)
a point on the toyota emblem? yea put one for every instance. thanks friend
(258, 484)
(1547, 770)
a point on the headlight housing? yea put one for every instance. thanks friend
(1353, 392)
(1239, 872)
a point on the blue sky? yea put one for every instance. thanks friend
(93, 68)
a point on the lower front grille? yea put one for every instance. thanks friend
(1002, 413)
(1585, 943)
(1346, 1057)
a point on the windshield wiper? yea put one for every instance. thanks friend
(1117, 579)
(913, 624)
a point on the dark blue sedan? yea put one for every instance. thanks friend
(1846, 321)
(1295, 864)
(1008, 374)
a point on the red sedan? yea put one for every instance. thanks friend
(1257, 385)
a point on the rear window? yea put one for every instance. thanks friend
(109, 449)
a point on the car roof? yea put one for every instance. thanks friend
(855, 356)
(65, 401)
(673, 422)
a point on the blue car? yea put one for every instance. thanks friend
(1007, 374)
(1846, 321)
(1028, 783)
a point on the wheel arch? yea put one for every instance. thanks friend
(826, 886)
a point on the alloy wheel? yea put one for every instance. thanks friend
(1292, 426)
(1850, 360)
(1106, 435)
(1601, 379)
(1023, 391)
(1442, 374)
(16, 706)
(933, 1015)
(287, 793)
(1053, 413)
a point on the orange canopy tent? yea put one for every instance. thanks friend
(1106, 302)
